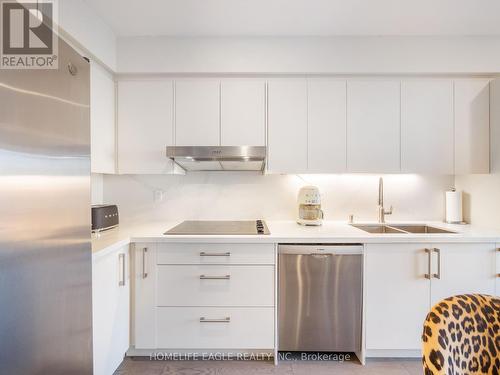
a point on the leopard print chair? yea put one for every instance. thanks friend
(462, 336)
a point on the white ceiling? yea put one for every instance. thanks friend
(299, 17)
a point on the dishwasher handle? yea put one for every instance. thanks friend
(319, 249)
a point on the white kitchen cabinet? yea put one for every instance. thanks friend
(215, 285)
(287, 126)
(472, 126)
(216, 253)
(102, 120)
(465, 269)
(145, 270)
(197, 112)
(173, 302)
(326, 129)
(243, 112)
(397, 295)
(110, 310)
(145, 126)
(427, 126)
(373, 126)
(245, 328)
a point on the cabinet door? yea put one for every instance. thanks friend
(472, 126)
(145, 118)
(326, 126)
(197, 113)
(397, 295)
(373, 126)
(145, 271)
(243, 115)
(287, 126)
(111, 309)
(427, 126)
(102, 120)
(465, 268)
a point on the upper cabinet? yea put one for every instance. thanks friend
(243, 112)
(472, 126)
(287, 126)
(102, 120)
(307, 126)
(373, 126)
(197, 112)
(310, 125)
(326, 126)
(145, 126)
(427, 126)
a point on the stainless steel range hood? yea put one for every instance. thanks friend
(218, 158)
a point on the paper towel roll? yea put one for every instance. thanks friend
(454, 206)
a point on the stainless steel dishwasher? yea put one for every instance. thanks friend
(320, 297)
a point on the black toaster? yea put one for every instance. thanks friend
(104, 216)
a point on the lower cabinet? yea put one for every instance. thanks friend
(145, 296)
(403, 281)
(215, 285)
(213, 296)
(110, 310)
(215, 327)
(464, 268)
(397, 295)
(204, 296)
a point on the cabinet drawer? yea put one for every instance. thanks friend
(215, 253)
(214, 285)
(222, 328)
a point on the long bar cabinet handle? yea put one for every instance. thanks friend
(438, 252)
(121, 262)
(429, 261)
(498, 249)
(144, 257)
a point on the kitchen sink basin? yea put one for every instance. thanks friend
(375, 228)
(420, 228)
(400, 228)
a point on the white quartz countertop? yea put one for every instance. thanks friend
(288, 232)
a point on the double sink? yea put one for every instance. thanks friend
(400, 228)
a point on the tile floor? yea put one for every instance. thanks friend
(143, 366)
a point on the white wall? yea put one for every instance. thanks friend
(272, 197)
(330, 55)
(96, 188)
(482, 192)
(84, 28)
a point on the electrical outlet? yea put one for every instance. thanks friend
(158, 196)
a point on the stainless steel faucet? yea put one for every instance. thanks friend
(381, 210)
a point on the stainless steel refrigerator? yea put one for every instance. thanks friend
(45, 251)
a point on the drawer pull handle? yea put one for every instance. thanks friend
(207, 277)
(227, 319)
(204, 254)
